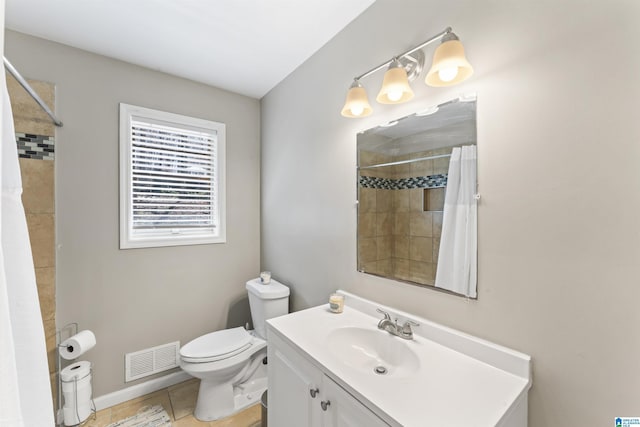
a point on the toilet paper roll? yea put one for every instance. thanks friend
(76, 389)
(76, 371)
(75, 415)
(77, 345)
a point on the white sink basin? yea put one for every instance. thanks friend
(367, 349)
(442, 377)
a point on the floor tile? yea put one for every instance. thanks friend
(132, 407)
(183, 384)
(141, 398)
(190, 421)
(247, 418)
(179, 401)
(183, 398)
(103, 418)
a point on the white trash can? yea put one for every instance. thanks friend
(76, 389)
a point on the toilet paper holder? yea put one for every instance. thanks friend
(72, 329)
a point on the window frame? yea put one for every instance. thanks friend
(129, 239)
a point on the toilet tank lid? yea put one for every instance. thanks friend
(272, 290)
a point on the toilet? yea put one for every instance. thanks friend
(231, 363)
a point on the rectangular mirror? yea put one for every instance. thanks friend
(417, 203)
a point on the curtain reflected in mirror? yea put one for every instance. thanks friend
(403, 175)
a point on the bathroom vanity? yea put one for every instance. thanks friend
(327, 369)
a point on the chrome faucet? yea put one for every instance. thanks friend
(386, 324)
(392, 327)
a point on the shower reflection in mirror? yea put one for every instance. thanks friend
(417, 198)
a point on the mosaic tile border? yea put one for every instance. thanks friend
(30, 146)
(430, 181)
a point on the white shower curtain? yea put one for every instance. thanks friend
(25, 393)
(457, 259)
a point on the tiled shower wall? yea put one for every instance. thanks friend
(400, 215)
(375, 218)
(35, 139)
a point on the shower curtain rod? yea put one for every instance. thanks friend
(402, 162)
(12, 70)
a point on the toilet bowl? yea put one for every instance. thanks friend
(231, 363)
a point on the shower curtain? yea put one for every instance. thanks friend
(25, 393)
(457, 259)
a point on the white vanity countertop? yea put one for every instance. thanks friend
(450, 387)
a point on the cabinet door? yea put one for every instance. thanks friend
(344, 410)
(291, 379)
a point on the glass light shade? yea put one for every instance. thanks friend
(357, 103)
(395, 87)
(450, 66)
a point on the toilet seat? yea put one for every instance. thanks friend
(217, 345)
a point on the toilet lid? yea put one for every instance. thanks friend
(215, 344)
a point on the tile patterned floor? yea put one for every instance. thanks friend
(179, 401)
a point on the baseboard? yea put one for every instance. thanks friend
(112, 399)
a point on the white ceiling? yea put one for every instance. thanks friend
(244, 46)
(452, 123)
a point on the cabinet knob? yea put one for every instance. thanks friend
(325, 404)
(314, 392)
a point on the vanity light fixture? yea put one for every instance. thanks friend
(395, 86)
(357, 103)
(449, 67)
(449, 63)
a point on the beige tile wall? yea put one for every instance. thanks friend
(376, 219)
(38, 199)
(399, 230)
(418, 219)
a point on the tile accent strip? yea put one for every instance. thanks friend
(32, 146)
(430, 181)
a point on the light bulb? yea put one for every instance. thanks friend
(356, 110)
(394, 95)
(448, 74)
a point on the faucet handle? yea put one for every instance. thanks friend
(406, 328)
(386, 315)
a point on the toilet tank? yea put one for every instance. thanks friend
(266, 301)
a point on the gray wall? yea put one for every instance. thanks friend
(138, 298)
(559, 173)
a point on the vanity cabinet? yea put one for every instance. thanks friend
(301, 395)
(292, 386)
(344, 409)
(323, 371)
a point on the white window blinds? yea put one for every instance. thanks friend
(173, 179)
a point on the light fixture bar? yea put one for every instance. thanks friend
(408, 52)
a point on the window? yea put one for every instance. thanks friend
(172, 189)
